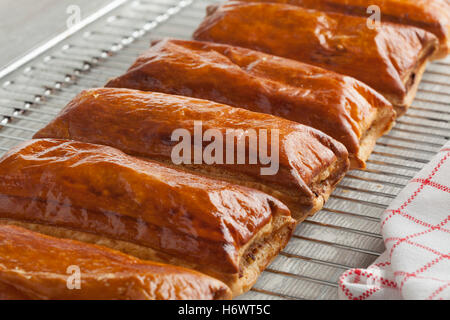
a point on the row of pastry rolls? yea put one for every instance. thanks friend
(340, 106)
(205, 217)
(295, 79)
(84, 191)
(98, 194)
(308, 166)
(226, 221)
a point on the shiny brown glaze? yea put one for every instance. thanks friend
(431, 15)
(142, 123)
(389, 58)
(342, 107)
(35, 266)
(101, 190)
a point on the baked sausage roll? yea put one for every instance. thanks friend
(34, 266)
(340, 106)
(391, 58)
(305, 164)
(98, 194)
(431, 15)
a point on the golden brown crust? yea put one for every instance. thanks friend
(8, 292)
(433, 16)
(386, 58)
(35, 266)
(100, 190)
(340, 106)
(142, 123)
(270, 241)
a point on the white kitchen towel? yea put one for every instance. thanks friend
(416, 233)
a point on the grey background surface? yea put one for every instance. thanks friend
(26, 24)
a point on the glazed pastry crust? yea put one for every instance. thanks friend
(256, 257)
(142, 123)
(433, 16)
(35, 266)
(389, 58)
(340, 106)
(101, 191)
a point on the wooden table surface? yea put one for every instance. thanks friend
(26, 24)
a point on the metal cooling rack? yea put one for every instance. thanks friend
(345, 234)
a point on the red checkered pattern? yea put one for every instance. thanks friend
(416, 232)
